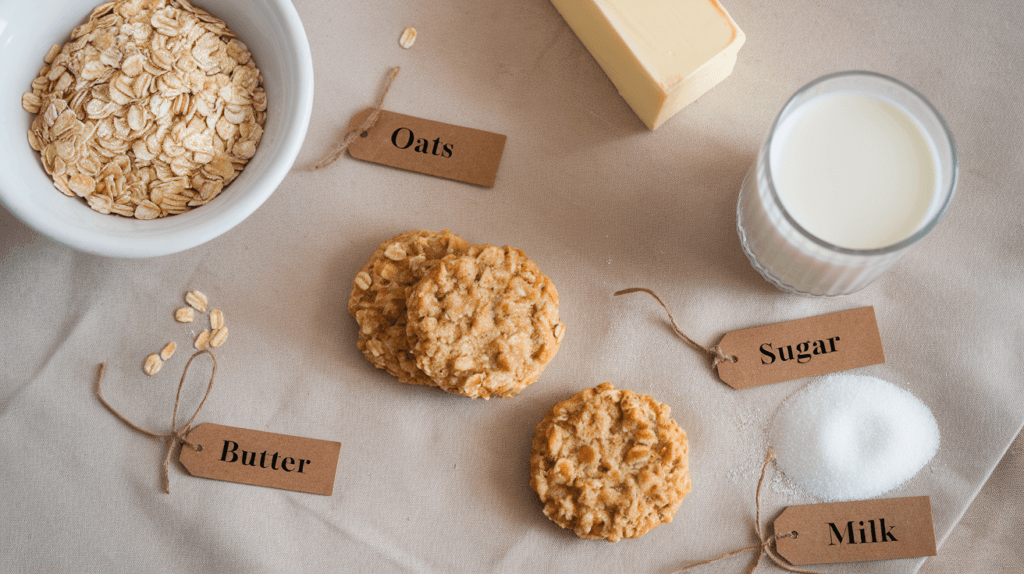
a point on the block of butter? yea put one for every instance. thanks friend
(660, 54)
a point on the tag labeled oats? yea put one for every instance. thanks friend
(429, 147)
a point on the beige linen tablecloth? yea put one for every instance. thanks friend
(429, 482)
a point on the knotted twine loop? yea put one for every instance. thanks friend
(370, 121)
(766, 547)
(716, 354)
(177, 434)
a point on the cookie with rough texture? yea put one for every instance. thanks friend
(485, 323)
(379, 293)
(609, 464)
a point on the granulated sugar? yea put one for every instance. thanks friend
(852, 437)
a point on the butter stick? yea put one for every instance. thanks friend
(660, 54)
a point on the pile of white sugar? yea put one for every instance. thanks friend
(852, 437)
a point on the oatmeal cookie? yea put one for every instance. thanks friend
(379, 293)
(485, 323)
(609, 464)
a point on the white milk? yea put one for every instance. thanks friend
(854, 170)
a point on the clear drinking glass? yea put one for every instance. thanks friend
(792, 258)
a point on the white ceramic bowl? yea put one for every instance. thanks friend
(275, 36)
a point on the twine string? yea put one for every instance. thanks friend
(768, 544)
(765, 548)
(177, 434)
(716, 354)
(368, 123)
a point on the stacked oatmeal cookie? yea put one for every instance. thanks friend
(475, 320)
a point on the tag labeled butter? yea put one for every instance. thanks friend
(856, 531)
(262, 458)
(801, 348)
(425, 146)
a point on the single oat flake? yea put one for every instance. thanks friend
(408, 37)
(216, 319)
(363, 280)
(168, 350)
(152, 364)
(197, 300)
(201, 340)
(218, 336)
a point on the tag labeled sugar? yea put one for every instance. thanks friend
(261, 458)
(848, 437)
(856, 531)
(801, 348)
(425, 146)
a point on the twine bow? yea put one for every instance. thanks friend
(767, 545)
(716, 354)
(177, 434)
(368, 123)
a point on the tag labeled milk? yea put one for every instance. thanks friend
(880, 529)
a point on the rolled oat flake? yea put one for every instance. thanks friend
(852, 437)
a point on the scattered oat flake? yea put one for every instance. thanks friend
(218, 337)
(202, 339)
(152, 364)
(168, 350)
(216, 319)
(184, 315)
(408, 37)
(197, 300)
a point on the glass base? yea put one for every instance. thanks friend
(766, 275)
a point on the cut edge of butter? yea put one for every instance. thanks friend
(661, 55)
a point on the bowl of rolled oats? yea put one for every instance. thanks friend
(140, 128)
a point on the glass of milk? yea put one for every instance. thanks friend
(856, 168)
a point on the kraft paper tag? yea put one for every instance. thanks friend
(801, 348)
(856, 531)
(262, 458)
(425, 146)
